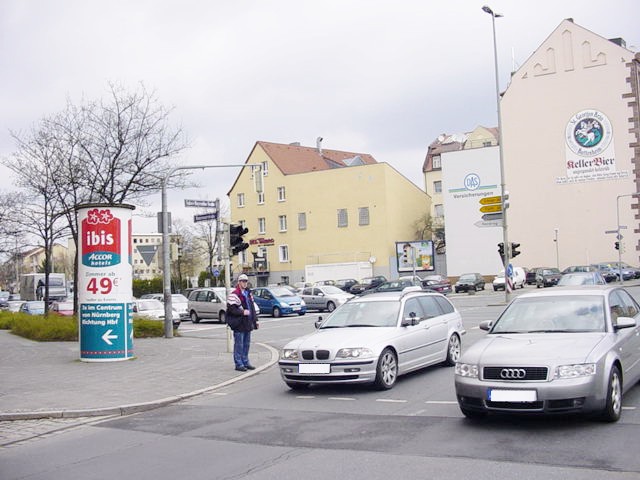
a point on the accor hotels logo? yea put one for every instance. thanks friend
(101, 245)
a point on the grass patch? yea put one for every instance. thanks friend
(58, 328)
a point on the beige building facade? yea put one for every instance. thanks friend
(322, 207)
(571, 150)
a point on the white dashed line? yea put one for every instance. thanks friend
(390, 400)
(341, 398)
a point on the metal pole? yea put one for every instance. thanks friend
(504, 204)
(555, 239)
(618, 235)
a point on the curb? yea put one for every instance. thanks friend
(137, 407)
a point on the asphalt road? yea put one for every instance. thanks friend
(259, 429)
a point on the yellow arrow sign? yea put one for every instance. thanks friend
(490, 200)
(491, 208)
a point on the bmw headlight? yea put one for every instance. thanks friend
(356, 352)
(289, 354)
(466, 370)
(575, 371)
(302, 302)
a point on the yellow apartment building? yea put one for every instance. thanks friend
(322, 207)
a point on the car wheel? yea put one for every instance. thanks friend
(222, 317)
(331, 306)
(276, 312)
(476, 288)
(454, 349)
(194, 317)
(387, 370)
(613, 407)
(472, 414)
(297, 386)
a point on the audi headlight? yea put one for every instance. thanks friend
(466, 370)
(575, 371)
(302, 302)
(357, 352)
(289, 354)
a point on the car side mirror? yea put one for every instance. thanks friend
(486, 325)
(318, 322)
(624, 322)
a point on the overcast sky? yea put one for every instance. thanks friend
(378, 77)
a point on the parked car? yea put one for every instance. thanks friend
(32, 307)
(208, 303)
(606, 271)
(628, 272)
(346, 284)
(366, 283)
(154, 310)
(179, 303)
(325, 282)
(391, 286)
(325, 297)
(414, 279)
(14, 305)
(4, 299)
(519, 279)
(579, 268)
(547, 277)
(531, 276)
(278, 301)
(374, 339)
(62, 308)
(469, 281)
(558, 351)
(581, 278)
(437, 283)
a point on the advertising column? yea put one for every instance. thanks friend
(105, 290)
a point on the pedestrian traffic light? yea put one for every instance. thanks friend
(617, 245)
(501, 250)
(236, 242)
(514, 251)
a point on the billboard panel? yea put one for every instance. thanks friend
(415, 253)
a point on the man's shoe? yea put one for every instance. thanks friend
(249, 367)
(241, 369)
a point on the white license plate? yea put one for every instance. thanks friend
(295, 309)
(314, 368)
(512, 395)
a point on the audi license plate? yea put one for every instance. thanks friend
(314, 368)
(512, 395)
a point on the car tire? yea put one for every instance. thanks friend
(454, 350)
(386, 370)
(331, 306)
(297, 386)
(222, 317)
(613, 407)
(276, 312)
(194, 317)
(476, 288)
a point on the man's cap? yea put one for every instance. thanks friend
(243, 277)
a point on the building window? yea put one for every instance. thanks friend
(437, 187)
(436, 162)
(261, 198)
(282, 196)
(438, 210)
(283, 253)
(262, 226)
(241, 200)
(486, 143)
(302, 221)
(265, 169)
(242, 257)
(363, 216)
(343, 219)
(282, 221)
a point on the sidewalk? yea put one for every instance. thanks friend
(48, 379)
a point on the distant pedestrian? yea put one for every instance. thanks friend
(242, 319)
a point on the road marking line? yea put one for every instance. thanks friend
(305, 397)
(441, 402)
(390, 400)
(341, 398)
(628, 408)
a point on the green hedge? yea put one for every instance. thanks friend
(58, 328)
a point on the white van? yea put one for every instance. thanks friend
(519, 279)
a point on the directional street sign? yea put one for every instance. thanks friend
(205, 217)
(491, 208)
(200, 203)
(490, 200)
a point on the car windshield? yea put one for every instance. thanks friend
(282, 292)
(567, 313)
(550, 271)
(577, 279)
(467, 278)
(364, 314)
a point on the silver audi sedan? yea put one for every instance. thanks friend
(569, 350)
(374, 339)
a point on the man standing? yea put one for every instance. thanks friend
(242, 319)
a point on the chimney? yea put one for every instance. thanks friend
(319, 145)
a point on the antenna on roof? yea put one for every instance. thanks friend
(319, 145)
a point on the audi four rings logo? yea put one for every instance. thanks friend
(513, 373)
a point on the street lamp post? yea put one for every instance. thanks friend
(555, 239)
(503, 193)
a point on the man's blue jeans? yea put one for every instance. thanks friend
(241, 342)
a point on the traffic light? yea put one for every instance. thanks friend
(236, 242)
(514, 251)
(501, 250)
(617, 245)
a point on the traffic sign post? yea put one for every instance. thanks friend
(205, 217)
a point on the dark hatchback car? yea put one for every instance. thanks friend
(531, 276)
(547, 277)
(437, 283)
(390, 286)
(346, 283)
(366, 283)
(469, 282)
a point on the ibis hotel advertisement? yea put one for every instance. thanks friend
(105, 282)
(589, 149)
(473, 212)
